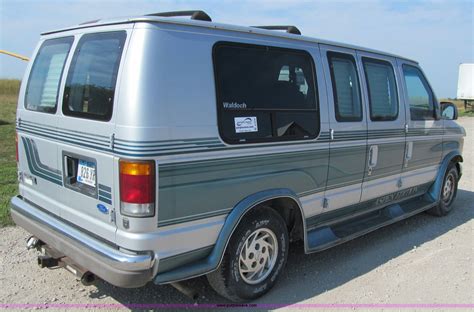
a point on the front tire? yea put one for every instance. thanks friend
(254, 258)
(449, 190)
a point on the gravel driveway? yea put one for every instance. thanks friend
(421, 260)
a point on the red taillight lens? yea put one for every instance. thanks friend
(137, 189)
(137, 182)
(16, 145)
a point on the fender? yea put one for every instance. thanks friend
(435, 190)
(214, 259)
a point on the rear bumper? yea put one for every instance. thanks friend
(117, 267)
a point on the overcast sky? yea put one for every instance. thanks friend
(439, 34)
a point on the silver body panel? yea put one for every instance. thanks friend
(165, 110)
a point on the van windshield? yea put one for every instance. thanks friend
(91, 80)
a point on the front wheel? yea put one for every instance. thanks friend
(254, 258)
(448, 192)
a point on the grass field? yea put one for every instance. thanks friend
(8, 174)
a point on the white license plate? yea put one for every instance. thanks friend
(86, 172)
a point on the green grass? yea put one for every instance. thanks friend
(8, 172)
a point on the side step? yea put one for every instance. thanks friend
(327, 236)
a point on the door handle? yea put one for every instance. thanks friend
(408, 152)
(373, 157)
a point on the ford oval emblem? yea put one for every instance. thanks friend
(103, 209)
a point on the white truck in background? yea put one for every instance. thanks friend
(466, 84)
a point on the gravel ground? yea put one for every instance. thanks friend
(421, 260)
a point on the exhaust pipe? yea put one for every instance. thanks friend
(186, 290)
(52, 259)
(88, 278)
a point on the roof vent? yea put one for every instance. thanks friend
(195, 15)
(288, 28)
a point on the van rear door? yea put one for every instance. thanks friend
(87, 128)
(37, 118)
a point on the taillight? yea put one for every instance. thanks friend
(16, 145)
(137, 188)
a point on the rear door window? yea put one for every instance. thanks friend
(90, 85)
(382, 87)
(264, 93)
(43, 83)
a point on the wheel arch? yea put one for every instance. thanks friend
(275, 199)
(435, 189)
(210, 263)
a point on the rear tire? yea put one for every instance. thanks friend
(449, 190)
(254, 258)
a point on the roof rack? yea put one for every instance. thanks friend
(195, 15)
(288, 28)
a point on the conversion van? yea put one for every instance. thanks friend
(160, 148)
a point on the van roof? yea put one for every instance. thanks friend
(217, 26)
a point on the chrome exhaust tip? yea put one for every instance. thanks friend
(33, 242)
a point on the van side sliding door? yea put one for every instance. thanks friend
(386, 126)
(424, 135)
(348, 127)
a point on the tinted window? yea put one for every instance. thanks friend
(345, 85)
(383, 97)
(43, 83)
(264, 93)
(419, 94)
(91, 80)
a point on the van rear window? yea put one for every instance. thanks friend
(90, 85)
(264, 93)
(43, 83)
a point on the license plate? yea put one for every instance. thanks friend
(86, 173)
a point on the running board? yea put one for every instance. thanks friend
(327, 236)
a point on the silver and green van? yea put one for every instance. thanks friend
(159, 148)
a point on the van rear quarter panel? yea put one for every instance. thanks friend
(167, 111)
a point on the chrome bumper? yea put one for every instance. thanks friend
(109, 263)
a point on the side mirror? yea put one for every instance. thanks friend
(449, 111)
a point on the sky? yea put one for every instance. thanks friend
(439, 34)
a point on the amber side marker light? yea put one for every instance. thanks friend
(137, 188)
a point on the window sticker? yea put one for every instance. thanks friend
(245, 124)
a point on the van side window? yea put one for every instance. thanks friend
(90, 85)
(420, 96)
(264, 93)
(345, 85)
(43, 83)
(383, 97)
